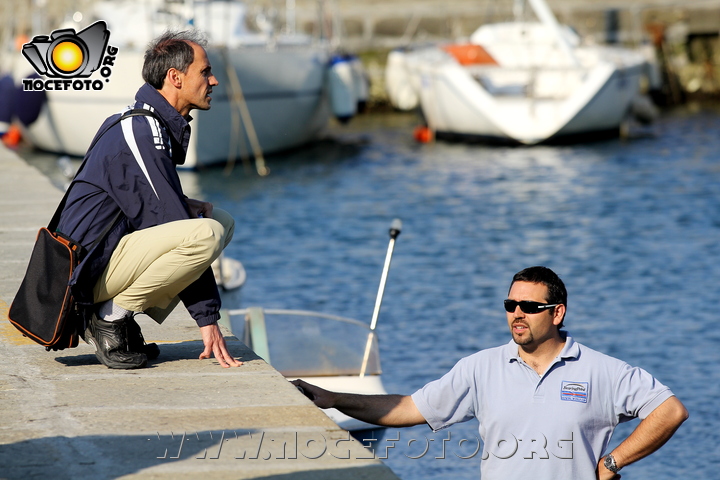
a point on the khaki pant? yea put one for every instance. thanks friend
(150, 267)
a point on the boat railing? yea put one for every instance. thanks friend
(306, 343)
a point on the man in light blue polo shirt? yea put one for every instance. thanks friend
(547, 405)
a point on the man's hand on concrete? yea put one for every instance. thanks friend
(320, 397)
(215, 345)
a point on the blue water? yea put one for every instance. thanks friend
(632, 226)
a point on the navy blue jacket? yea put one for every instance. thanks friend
(133, 168)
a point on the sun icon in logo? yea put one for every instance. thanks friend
(67, 56)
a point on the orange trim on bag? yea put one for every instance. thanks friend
(67, 301)
(9, 334)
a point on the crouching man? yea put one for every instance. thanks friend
(160, 249)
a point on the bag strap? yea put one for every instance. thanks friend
(135, 112)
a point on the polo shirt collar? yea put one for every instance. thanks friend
(570, 350)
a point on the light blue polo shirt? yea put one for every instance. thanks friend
(555, 426)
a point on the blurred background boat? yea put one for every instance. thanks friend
(324, 350)
(229, 273)
(278, 88)
(525, 81)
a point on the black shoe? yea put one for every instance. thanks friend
(136, 341)
(110, 340)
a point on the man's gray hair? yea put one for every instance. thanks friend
(172, 49)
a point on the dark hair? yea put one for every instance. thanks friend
(172, 49)
(556, 288)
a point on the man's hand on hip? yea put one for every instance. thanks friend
(215, 345)
(605, 474)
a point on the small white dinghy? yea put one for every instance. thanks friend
(229, 273)
(325, 350)
(336, 353)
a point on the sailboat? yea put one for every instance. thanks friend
(523, 82)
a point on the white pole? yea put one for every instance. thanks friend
(395, 229)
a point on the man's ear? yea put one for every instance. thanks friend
(559, 314)
(173, 77)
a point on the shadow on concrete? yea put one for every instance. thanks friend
(169, 352)
(366, 473)
(102, 456)
(206, 454)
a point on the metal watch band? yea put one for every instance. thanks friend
(610, 463)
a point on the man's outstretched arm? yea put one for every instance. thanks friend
(650, 434)
(386, 410)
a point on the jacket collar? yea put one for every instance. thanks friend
(178, 126)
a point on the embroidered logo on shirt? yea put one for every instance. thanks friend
(574, 391)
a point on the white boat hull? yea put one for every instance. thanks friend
(284, 90)
(453, 101)
(367, 385)
(518, 82)
(325, 350)
(287, 99)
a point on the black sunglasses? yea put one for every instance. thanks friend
(527, 306)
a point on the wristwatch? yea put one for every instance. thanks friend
(610, 463)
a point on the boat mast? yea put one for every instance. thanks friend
(547, 17)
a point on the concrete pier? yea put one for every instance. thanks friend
(66, 416)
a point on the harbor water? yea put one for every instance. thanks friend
(632, 226)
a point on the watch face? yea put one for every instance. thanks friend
(610, 464)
